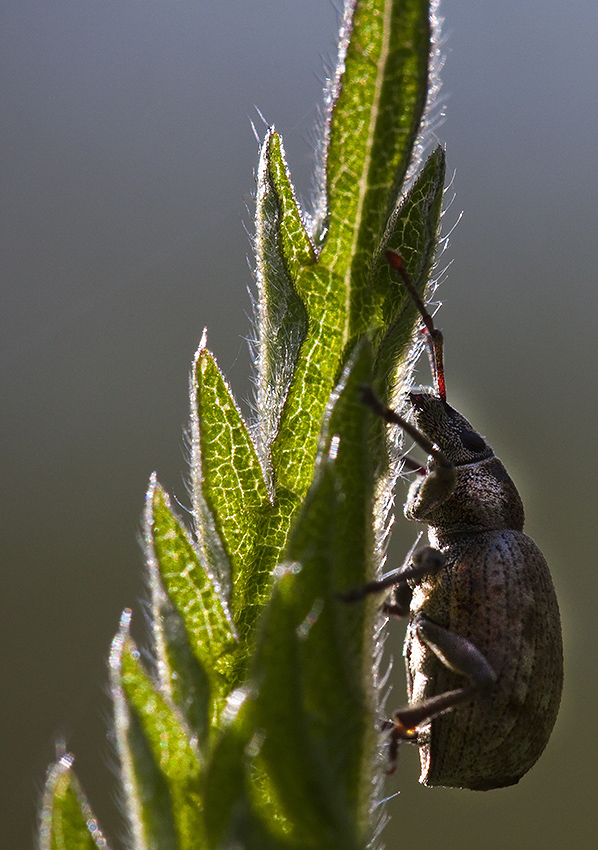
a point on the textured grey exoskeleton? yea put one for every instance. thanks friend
(483, 648)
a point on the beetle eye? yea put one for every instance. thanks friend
(472, 442)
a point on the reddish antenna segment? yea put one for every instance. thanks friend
(434, 338)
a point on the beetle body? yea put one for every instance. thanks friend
(483, 648)
(496, 592)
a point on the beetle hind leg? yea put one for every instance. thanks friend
(458, 655)
(389, 727)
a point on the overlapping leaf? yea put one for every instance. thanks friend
(190, 586)
(313, 705)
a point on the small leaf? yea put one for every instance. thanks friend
(174, 565)
(67, 820)
(413, 229)
(282, 248)
(237, 515)
(295, 447)
(160, 765)
(274, 183)
(181, 675)
(229, 486)
(225, 784)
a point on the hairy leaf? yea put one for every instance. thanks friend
(67, 820)
(160, 763)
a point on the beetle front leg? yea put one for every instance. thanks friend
(458, 655)
(423, 562)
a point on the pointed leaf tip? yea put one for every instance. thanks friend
(67, 820)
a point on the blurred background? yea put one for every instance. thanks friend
(128, 159)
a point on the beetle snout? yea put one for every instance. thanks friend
(421, 400)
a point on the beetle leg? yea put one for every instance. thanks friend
(458, 655)
(401, 601)
(423, 562)
(369, 398)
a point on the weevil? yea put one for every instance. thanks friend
(483, 648)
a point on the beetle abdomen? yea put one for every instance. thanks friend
(496, 591)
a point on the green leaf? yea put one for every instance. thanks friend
(314, 695)
(413, 228)
(228, 481)
(299, 297)
(234, 510)
(282, 248)
(67, 820)
(413, 233)
(240, 811)
(230, 815)
(160, 764)
(182, 676)
(374, 124)
(280, 228)
(381, 95)
(175, 569)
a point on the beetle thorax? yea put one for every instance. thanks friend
(484, 498)
(481, 495)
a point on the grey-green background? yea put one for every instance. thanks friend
(128, 160)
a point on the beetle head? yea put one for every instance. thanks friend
(448, 429)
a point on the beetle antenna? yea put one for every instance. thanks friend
(371, 400)
(434, 337)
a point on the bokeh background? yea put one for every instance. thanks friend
(127, 166)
